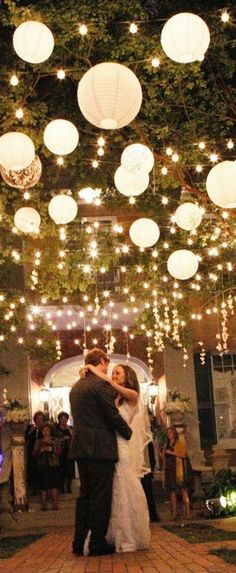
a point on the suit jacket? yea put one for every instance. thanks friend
(96, 419)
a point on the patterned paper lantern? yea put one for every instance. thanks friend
(33, 42)
(137, 157)
(27, 220)
(131, 184)
(61, 136)
(109, 95)
(144, 232)
(188, 216)
(221, 184)
(25, 178)
(182, 264)
(16, 150)
(62, 209)
(185, 38)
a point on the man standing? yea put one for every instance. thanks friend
(94, 446)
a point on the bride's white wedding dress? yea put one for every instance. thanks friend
(129, 523)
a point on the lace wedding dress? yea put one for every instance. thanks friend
(129, 523)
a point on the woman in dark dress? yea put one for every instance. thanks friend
(177, 471)
(67, 467)
(47, 452)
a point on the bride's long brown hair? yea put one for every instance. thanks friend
(131, 380)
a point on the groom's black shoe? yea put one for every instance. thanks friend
(104, 549)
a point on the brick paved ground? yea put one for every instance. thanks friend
(167, 554)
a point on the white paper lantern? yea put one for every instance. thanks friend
(221, 184)
(182, 264)
(144, 232)
(185, 38)
(109, 95)
(16, 150)
(27, 220)
(33, 42)
(62, 209)
(61, 136)
(137, 157)
(131, 184)
(188, 216)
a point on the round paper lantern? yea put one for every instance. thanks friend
(25, 178)
(188, 216)
(27, 220)
(144, 232)
(109, 95)
(131, 184)
(182, 264)
(61, 136)
(16, 150)
(62, 209)
(221, 184)
(33, 42)
(185, 38)
(137, 157)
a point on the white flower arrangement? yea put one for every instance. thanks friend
(176, 402)
(14, 410)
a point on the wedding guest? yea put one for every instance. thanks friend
(47, 452)
(33, 432)
(67, 466)
(177, 471)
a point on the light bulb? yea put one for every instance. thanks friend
(169, 151)
(19, 113)
(26, 195)
(201, 145)
(60, 160)
(101, 141)
(61, 74)
(155, 62)
(133, 28)
(100, 151)
(164, 171)
(230, 144)
(198, 168)
(132, 200)
(95, 163)
(224, 17)
(83, 29)
(14, 80)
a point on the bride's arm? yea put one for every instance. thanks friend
(127, 393)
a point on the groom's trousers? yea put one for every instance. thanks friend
(93, 506)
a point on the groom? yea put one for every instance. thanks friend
(94, 446)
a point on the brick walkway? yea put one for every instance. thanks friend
(167, 554)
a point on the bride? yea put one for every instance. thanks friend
(129, 522)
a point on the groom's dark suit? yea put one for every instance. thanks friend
(94, 446)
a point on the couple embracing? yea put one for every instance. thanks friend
(111, 510)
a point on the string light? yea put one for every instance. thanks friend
(213, 157)
(133, 28)
(60, 160)
(198, 168)
(169, 151)
(83, 30)
(61, 74)
(14, 80)
(95, 164)
(224, 17)
(101, 141)
(100, 151)
(164, 170)
(230, 144)
(26, 195)
(132, 200)
(19, 113)
(201, 145)
(155, 62)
